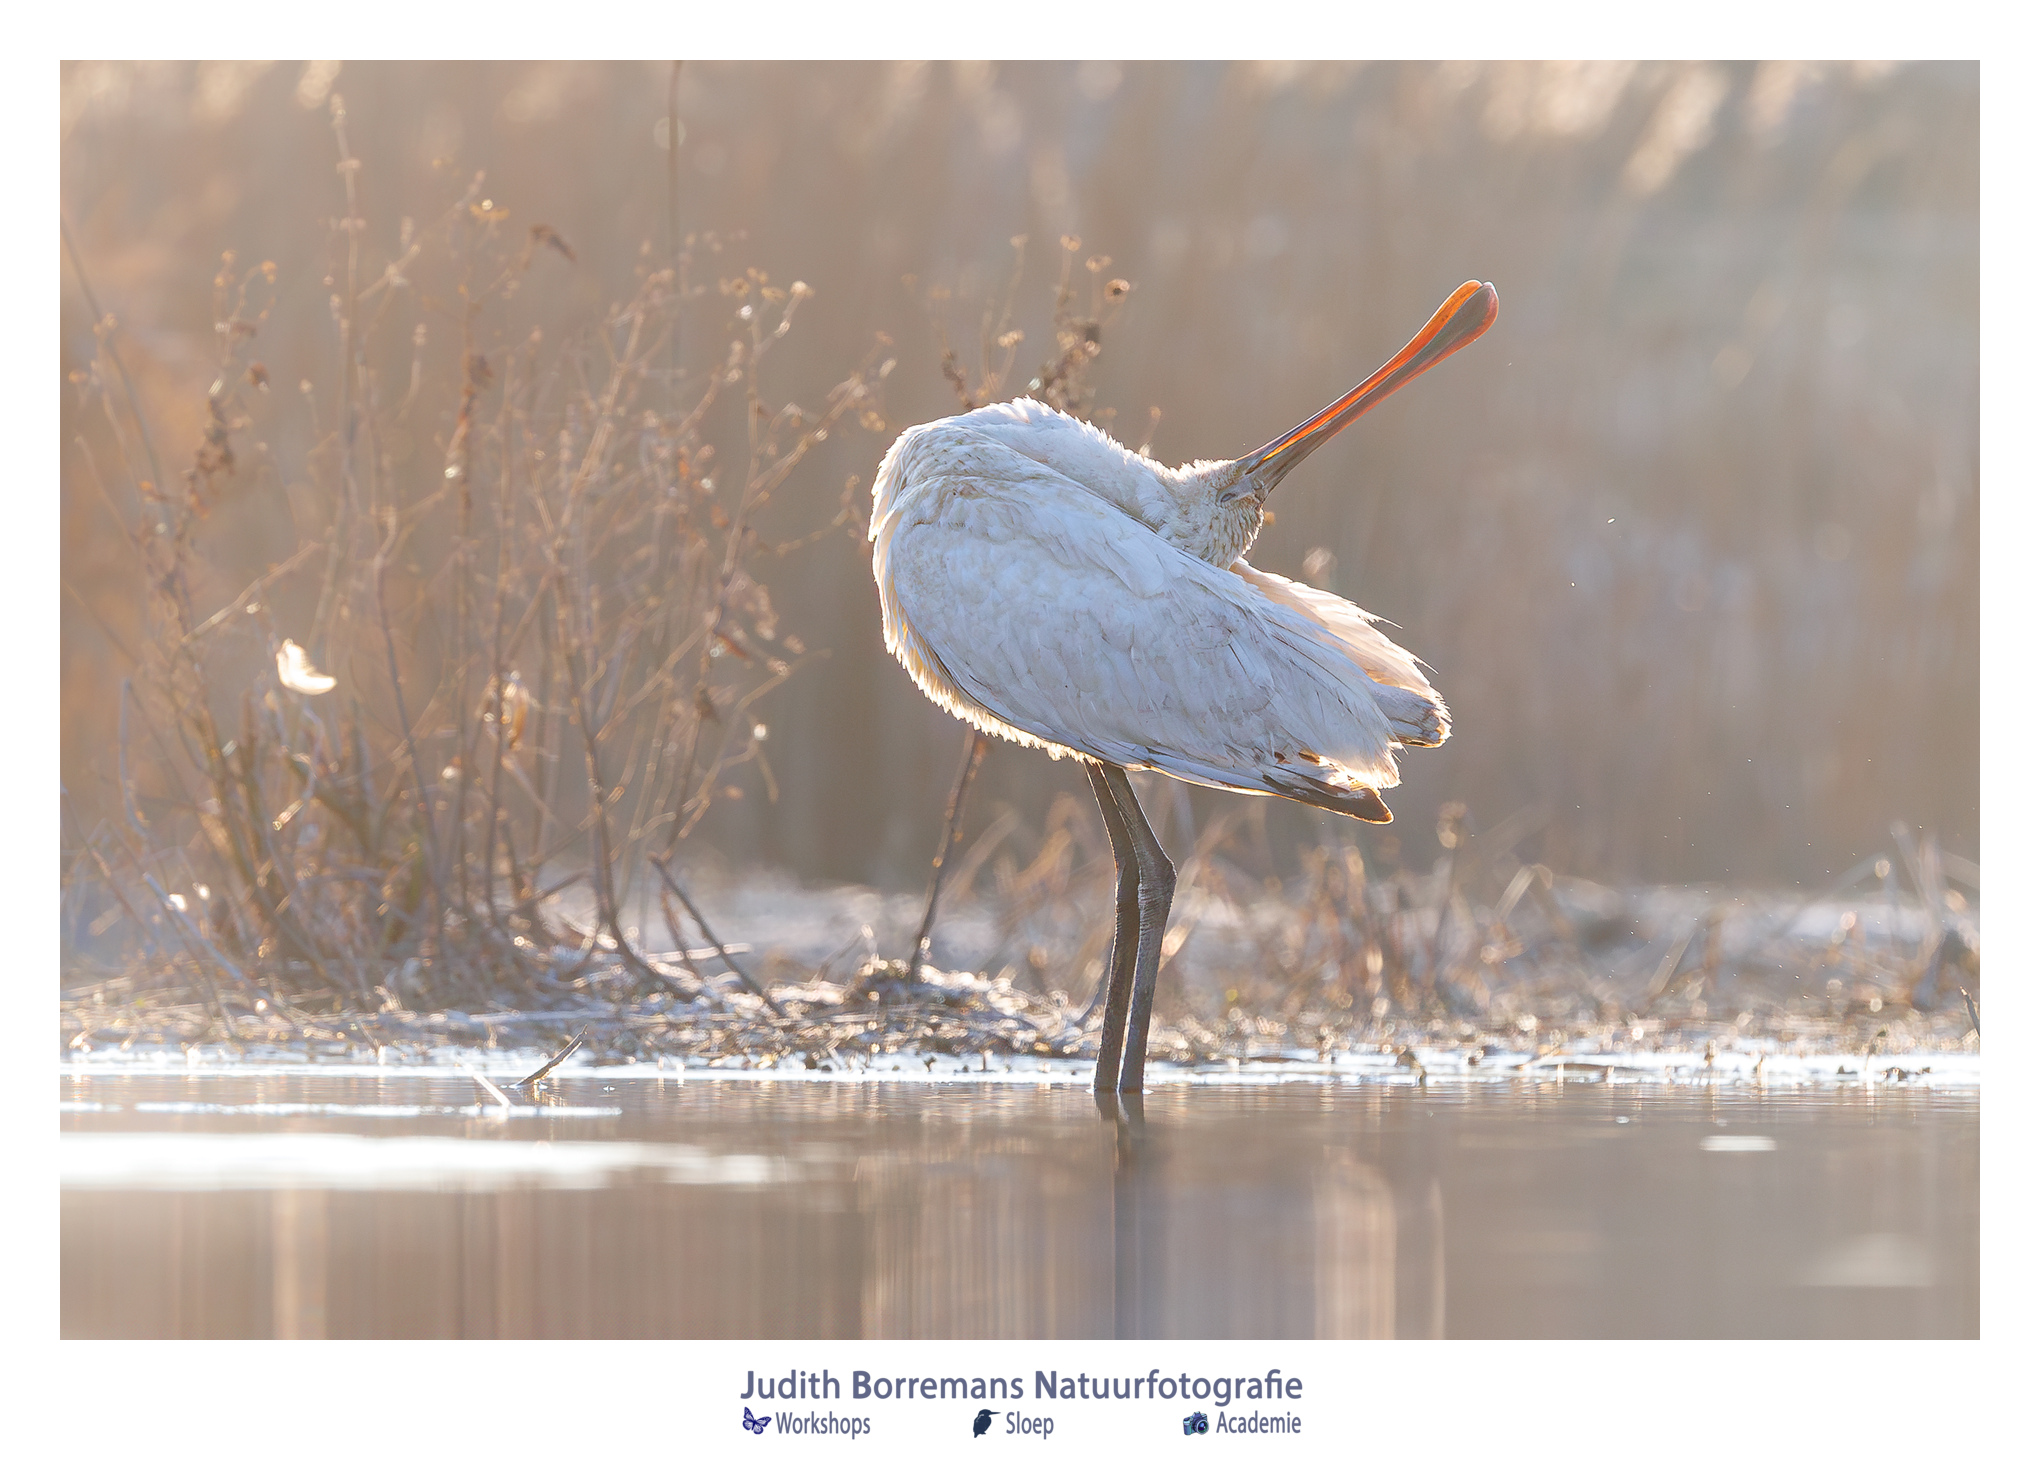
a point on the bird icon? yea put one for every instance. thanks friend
(980, 1424)
(1052, 587)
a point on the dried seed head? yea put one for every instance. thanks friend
(516, 706)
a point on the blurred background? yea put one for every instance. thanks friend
(1690, 538)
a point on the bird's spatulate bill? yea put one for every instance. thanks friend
(1467, 313)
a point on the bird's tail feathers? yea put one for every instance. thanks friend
(1353, 801)
(1349, 628)
(1416, 719)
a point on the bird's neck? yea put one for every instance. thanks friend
(1200, 517)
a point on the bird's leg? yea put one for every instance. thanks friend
(1117, 982)
(1157, 891)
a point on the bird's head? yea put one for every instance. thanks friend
(1209, 510)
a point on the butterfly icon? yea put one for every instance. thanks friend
(755, 1425)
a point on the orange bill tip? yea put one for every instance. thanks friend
(1465, 314)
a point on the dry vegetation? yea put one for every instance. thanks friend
(522, 643)
(1484, 949)
(424, 780)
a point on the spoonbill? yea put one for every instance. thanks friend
(1052, 587)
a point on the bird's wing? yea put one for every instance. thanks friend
(1077, 626)
(1069, 446)
(1412, 705)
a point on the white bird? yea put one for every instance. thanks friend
(1050, 586)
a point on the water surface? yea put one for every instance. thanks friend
(295, 1205)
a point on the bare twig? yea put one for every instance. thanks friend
(101, 325)
(952, 832)
(557, 1057)
(709, 934)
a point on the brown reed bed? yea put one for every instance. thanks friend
(520, 639)
(441, 772)
(1691, 540)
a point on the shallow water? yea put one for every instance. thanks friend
(297, 1205)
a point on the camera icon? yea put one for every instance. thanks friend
(1196, 1424)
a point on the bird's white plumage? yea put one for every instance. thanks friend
(1053, 587)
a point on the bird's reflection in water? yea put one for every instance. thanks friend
(1132, 1230)
(1321, 1264)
